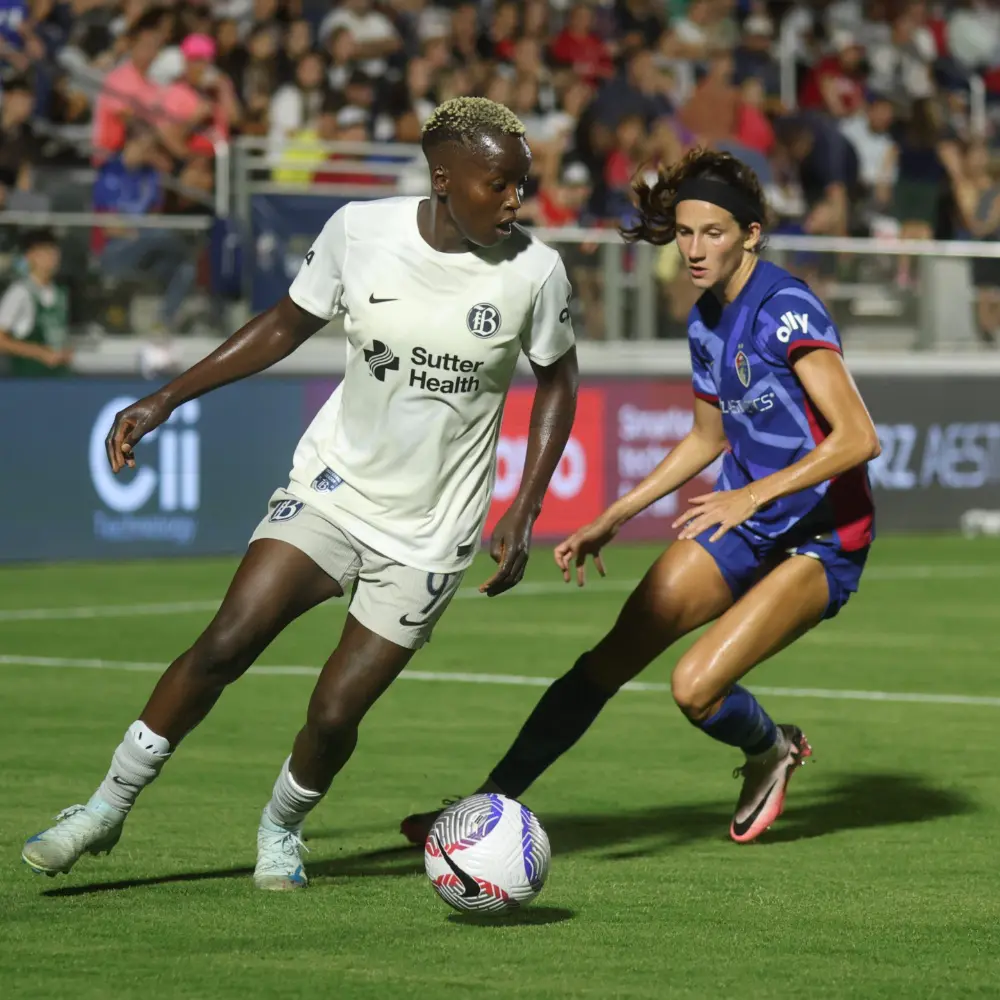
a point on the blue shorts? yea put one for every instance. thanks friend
(743, 557)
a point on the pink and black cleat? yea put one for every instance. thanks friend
(765, 780)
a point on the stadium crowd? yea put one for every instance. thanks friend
(859, 115)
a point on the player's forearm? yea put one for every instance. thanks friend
(552, 416)
(261, 343)
(837, 454)
(15, 348)
(693, 454)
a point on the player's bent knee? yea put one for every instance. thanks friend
(223, 652)
(693, 693)
(333, 720)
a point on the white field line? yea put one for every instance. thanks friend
(530, 589)
(106, 611)
(515, 680)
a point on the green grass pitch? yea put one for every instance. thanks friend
(881, 879)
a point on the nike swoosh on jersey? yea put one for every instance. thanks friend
(469, 885)
(374, 301)
(741, 827)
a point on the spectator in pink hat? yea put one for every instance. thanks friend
(128, 94)
(200, 108)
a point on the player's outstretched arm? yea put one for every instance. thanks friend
(552, 416)
(261, 343)
(852, 441)
(705, 442)
(697, 450)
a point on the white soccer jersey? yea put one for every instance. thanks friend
(403, 453)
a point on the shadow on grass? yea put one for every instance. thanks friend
(532, 916)
(853, 802)
(860, 802)
(394, 861)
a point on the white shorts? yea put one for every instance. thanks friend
(397, 602)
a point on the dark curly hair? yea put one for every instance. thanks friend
(656, 203)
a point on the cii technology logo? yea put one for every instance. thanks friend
(159, 500)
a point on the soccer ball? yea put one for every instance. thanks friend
(487, 854)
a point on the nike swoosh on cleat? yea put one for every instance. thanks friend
(469, 884)
(374, 301)
(740, 828)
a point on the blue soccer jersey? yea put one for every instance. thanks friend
(741, 358)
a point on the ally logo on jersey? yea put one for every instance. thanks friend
(792, 322)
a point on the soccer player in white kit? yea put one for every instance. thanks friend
(391, 482)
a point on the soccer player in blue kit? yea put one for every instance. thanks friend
(776, 548)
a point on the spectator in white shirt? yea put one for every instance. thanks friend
(974, 35)
(845, 15)
(902, 67)
(868, 131)
(296, 105)
(866, 19)
(374, 34)
(419, 85)
(798, 33)
(690, 37)
(342, 50)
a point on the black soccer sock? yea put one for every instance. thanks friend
(564, 713)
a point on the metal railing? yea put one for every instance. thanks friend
(883, 293)
(259, 163)
(104, 220)
(887, 294)
(130, 295)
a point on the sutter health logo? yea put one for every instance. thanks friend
(156, 502)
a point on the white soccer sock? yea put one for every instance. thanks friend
(290, 802)
(136, 763)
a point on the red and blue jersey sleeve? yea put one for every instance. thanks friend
(792, 319)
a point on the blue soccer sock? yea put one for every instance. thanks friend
(741, 722)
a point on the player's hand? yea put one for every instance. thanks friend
(509, 548)
(585, 541)
(727, 508)
(131, 425)
(56, 359)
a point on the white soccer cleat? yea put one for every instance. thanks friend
(765, 780)
(279, 858)
(91, 829)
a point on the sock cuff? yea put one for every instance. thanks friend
(143, 738)
(286, 769)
